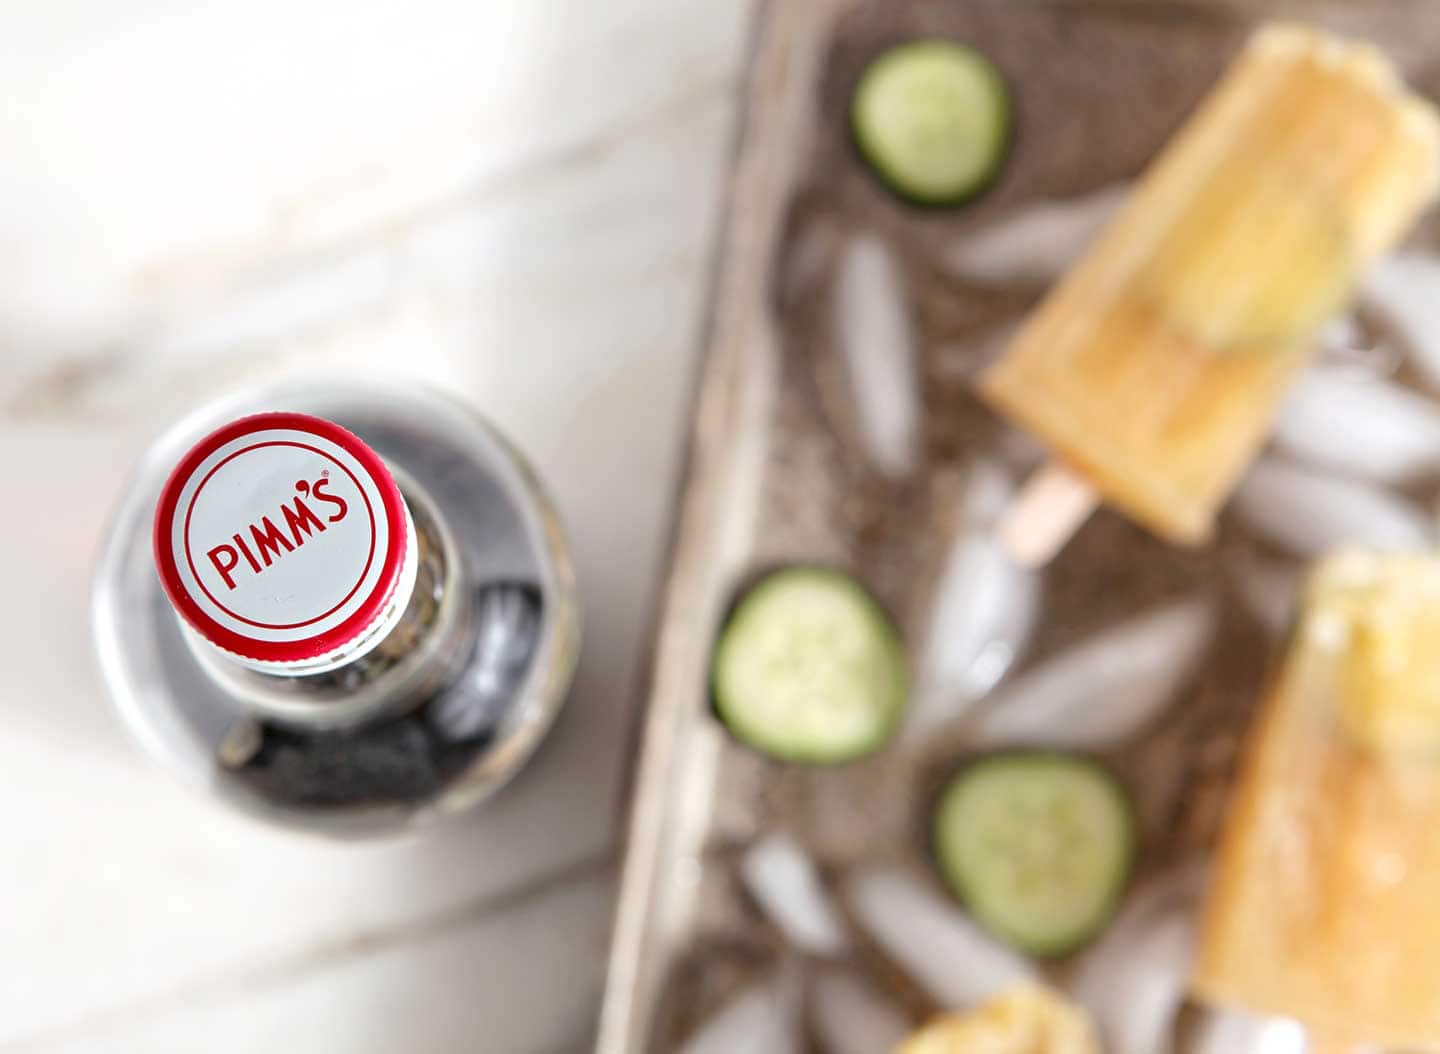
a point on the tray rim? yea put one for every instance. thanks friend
(717, 501)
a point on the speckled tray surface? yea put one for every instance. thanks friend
(773, 478)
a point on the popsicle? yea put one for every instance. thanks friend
(1325, 898)
(1153, 368)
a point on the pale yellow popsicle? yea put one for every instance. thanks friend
(1155, 366)
(1325, 898)
(1027, 1019)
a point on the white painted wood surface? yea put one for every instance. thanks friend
(513, 200)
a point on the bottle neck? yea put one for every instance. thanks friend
(417, 647)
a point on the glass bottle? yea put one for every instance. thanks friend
(345, 609)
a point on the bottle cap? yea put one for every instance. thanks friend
(282, 540)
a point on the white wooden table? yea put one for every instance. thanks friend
(515, 200)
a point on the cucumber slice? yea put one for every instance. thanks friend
(933, 120)
(809, 668)
(1038, 845)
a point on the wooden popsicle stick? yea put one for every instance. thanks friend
(1049, 508)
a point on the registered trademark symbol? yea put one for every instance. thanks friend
(326, 473)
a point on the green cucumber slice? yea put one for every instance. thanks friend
(809, 668)
(933, 120)
(1038, 845)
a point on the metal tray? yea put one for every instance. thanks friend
(770, 478)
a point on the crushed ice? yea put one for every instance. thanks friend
(851, 1017)
(1035, 244)
(1308, 513)
(765, 1017)
(933, 940)
(1133, 980)
(1366, 427)
(1106, 688)
(783, 880)
(1401, 294)
(877, 345)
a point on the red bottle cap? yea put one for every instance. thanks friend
(283, 540)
